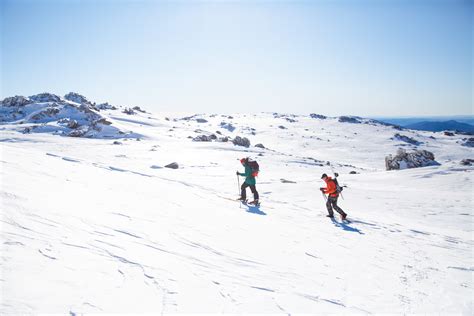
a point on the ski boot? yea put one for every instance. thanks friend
(255, 202)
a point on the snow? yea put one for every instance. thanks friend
(89, 226)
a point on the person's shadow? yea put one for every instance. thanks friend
(254, 209)
(345, 226)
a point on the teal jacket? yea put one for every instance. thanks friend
(249, 179)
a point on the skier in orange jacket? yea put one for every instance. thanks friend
(331, 191)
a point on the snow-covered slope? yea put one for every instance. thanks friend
(97, 225)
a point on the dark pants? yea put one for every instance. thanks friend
(243, 193)
(332, 204)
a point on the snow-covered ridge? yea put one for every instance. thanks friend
(74, 115)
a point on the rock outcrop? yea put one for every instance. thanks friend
(414, 159)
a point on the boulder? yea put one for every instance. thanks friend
(406, 139)
(105, 106)
(414, 159)
(202, 138)
(227, 126)
(241, 141)
(72, 124)
(260, 146)
(349, 119)
(78, 132)
(317, 116)
(137, 108)
(467, 162)
(172, 165)
(469, 142)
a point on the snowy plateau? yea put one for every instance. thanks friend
(93, 222)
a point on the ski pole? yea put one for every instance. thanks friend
(324, 196)
(238, 190)
(238, 185)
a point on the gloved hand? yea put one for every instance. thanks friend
(321, 189)
(237, 173)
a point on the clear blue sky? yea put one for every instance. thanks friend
(368, 58)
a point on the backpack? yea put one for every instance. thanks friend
(338, 187)
(254, 166)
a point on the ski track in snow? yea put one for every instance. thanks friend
(106, 228)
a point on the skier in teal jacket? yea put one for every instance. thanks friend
(249, 182)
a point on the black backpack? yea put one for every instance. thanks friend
(338, 187)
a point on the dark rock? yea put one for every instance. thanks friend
(16, 101)
(201, 120)
(349, 119)
(353, 172)
(137, 108)
(102, 121)
(172, 165)
(317, 116)
(105, 106)
(202, 138)
(73, 124)
(45, 97)
(117, 143)
(467, 162)
(46, 113)
(224, 139)
(241, 141)
(406, 139)
(469, 142)
(260, 146)
(79, 132)
(128, 111)
(448, 133)
(286, 181)
(281, 127)
(77, 98)
(227, 126)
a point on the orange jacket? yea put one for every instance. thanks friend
(330, 187)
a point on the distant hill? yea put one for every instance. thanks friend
(405, 121)
(441, 126)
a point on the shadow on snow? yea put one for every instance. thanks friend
(345, 226)
(254, 209)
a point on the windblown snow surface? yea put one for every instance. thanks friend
(89, 226)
